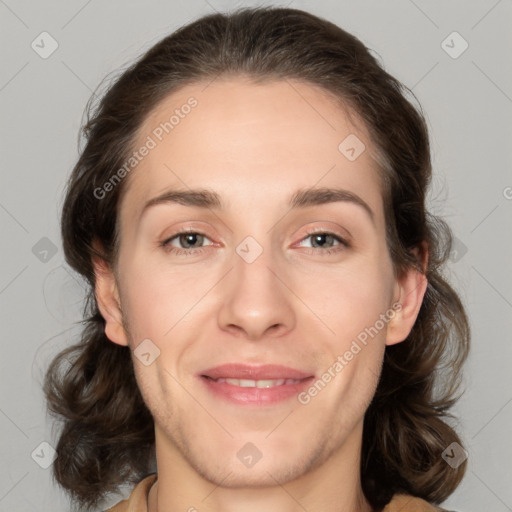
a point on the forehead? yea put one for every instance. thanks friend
(236, 135)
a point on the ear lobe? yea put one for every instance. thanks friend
(109, 304)
(411, 288)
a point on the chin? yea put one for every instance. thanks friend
(236, 477)
(264, 463)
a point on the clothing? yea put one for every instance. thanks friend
(137, 502)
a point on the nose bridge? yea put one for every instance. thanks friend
(252, 263)
(256, 299)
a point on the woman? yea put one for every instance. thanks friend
(267, 316)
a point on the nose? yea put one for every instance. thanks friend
(257, 300)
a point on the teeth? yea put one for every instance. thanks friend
(268, 383)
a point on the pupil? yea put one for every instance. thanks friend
(320, 238)
(189, 239)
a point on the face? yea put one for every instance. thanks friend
(285, 292)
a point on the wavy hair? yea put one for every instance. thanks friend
(107, 436)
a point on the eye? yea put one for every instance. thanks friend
(188, 242)
(328, 243)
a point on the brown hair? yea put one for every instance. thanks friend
(107, 436)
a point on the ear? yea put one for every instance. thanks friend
(109, 304)
(409, 292)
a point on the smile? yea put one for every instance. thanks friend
(264, 383)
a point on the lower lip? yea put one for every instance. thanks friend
(255, 396)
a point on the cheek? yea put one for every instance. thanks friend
(349, 298)
(150, 303)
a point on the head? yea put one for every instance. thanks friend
(258, 111)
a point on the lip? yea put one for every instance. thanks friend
(260, 372)
(254, 396)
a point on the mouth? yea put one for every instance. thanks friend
(262, 384)
(254, 385)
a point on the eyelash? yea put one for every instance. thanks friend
(343, 244)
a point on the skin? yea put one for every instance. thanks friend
(294, 305)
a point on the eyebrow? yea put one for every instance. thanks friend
(302, 198)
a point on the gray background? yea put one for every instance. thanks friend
(468, 104)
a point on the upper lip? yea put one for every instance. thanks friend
(251, 372)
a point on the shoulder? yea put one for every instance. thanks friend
(138, 497)
(406, 502)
